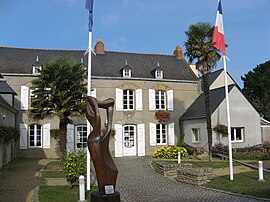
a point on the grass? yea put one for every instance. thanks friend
(53, 174)
(244, 183)
(60, 194)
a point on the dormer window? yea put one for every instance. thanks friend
(37, 67)
(126, 70)
(159, 74)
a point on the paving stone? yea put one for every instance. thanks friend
(137, 182)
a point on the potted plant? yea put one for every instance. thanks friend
(163, 116)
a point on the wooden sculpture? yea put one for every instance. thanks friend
(98, 142)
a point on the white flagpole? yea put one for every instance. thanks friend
(228, 117)
(88, 186)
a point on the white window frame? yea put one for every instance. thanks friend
(127, 94)
(159, 74)
(35, 135)
(196, 137)
(234, 131)
(159, 99)
(126, 73)
(78, 137)
(35, 68)
(161, 138)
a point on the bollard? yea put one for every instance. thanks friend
(82, 188)
(260, 165)
(179, 157)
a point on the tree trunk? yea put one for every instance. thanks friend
(208, 112)
(63, 135)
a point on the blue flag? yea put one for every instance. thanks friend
(89, 7)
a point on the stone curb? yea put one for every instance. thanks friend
(36, 190)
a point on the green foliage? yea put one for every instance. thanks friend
(8, 134)
(74, 165)
(222, 129)
(257, 88)
(170, 152)
(55, 133)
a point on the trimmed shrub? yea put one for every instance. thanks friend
(170, 152)
(74, 165)
(220, 148)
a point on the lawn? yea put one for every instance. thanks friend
(59, 194)
(244, 183)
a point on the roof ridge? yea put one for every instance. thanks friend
(46, 49)
(158, 54)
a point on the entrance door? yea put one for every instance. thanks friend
(129, 140)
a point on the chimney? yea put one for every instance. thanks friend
(178, 53)
(99, 47)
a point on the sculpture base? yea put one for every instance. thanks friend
(97, 196)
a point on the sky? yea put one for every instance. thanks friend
(142, 26)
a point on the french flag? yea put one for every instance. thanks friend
(218, 37)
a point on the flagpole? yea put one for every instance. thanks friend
(228, 117)
(88, 185)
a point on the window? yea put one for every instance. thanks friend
(128, 100)
(237, 134)
(32, 96)
(126, 72)
(159, 74)
(161, 132)
(160, 97)
(195, 135)
(81, 137)
(35, 136)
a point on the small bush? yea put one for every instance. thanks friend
(74, 165)
(266, 145)
(220, 148)
(8, 134)
(190, 149)
(170, 152)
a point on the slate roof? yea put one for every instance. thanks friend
(197, 108)
(6, 89)
(20, 60)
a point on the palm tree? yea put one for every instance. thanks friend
(199, 49)
(58, 91)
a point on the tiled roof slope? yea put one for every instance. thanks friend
(20, 60)
(197, 108)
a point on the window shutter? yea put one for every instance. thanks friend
(139, 99)
(118, 144)
(70, 137)
(170, 99)
(119, 99)
(171, 133)
(153, 135)
(93, 93)
(24, 97)
(46, 136)
(23, 136)
(141, 140)
(152, 105)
